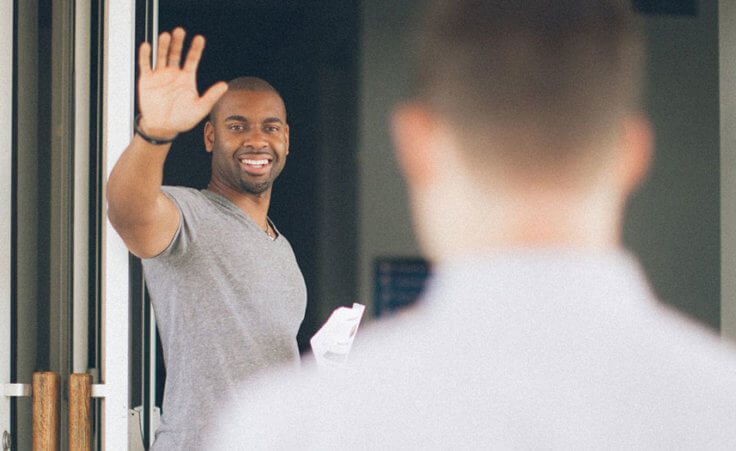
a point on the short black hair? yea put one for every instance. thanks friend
(251, 84)
(248, 84)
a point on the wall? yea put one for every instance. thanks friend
(672, 224)
(384, 224)
(727, 55)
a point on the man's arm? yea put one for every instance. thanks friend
(169, 104)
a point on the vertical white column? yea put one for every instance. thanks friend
(119, 60)
(727, 76)
(80, 308)
(6, 153)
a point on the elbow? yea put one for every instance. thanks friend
(117, 219)
(113, 217)
(119, 209)
(113, 210)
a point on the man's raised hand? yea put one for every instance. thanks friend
(167, 94)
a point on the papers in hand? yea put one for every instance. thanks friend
(332, 342)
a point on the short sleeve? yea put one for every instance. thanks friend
(180, 241)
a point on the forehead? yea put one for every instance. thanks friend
(253, 105)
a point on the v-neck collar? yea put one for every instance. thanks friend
(231, 206)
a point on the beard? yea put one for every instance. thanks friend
(229, 173)
(255, 187)
(259, 187)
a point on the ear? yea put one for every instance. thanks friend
(286, 138)
(413, 127)
(637, 144)
(209, 136)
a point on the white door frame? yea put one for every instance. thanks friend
(6, 162)
(118, 92)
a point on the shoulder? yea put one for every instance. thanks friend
(187, 200)
(697, 349)
(182, 193)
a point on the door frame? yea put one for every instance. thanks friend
(118, 95)
(6, 171)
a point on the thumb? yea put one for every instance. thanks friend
(212, 95)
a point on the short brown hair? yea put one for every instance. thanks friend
(544, 76)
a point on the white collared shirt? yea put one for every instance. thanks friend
(526, 349)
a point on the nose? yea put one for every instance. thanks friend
(255, 139)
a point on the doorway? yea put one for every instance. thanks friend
(309, 52)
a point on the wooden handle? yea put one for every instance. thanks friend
(80, 412)
(46, 411)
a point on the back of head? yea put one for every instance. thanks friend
(533, 86)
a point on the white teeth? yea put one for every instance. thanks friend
(255, 162)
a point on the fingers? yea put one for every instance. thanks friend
(144, 58)
(170, 47)
(212, 95)
(194, 54)
(162, 52)
(177, 43)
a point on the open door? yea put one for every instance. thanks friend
(66, 109)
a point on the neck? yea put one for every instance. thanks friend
(479, 222)
(254, 205)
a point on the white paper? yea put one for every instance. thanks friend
(332, 342)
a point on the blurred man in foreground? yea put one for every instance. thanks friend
(520, 149)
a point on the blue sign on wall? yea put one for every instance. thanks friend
(398, 282)
(676, 7)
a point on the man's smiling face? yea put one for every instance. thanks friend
(249, 140)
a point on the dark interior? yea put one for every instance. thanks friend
(308, 52)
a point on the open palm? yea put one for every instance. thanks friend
(168, 97)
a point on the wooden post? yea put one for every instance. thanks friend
(46, 411)
(80, 412)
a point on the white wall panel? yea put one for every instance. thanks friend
(119, 61)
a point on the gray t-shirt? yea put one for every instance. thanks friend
(228, 303)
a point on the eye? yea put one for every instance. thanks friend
(236, 127)
(271, 128)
